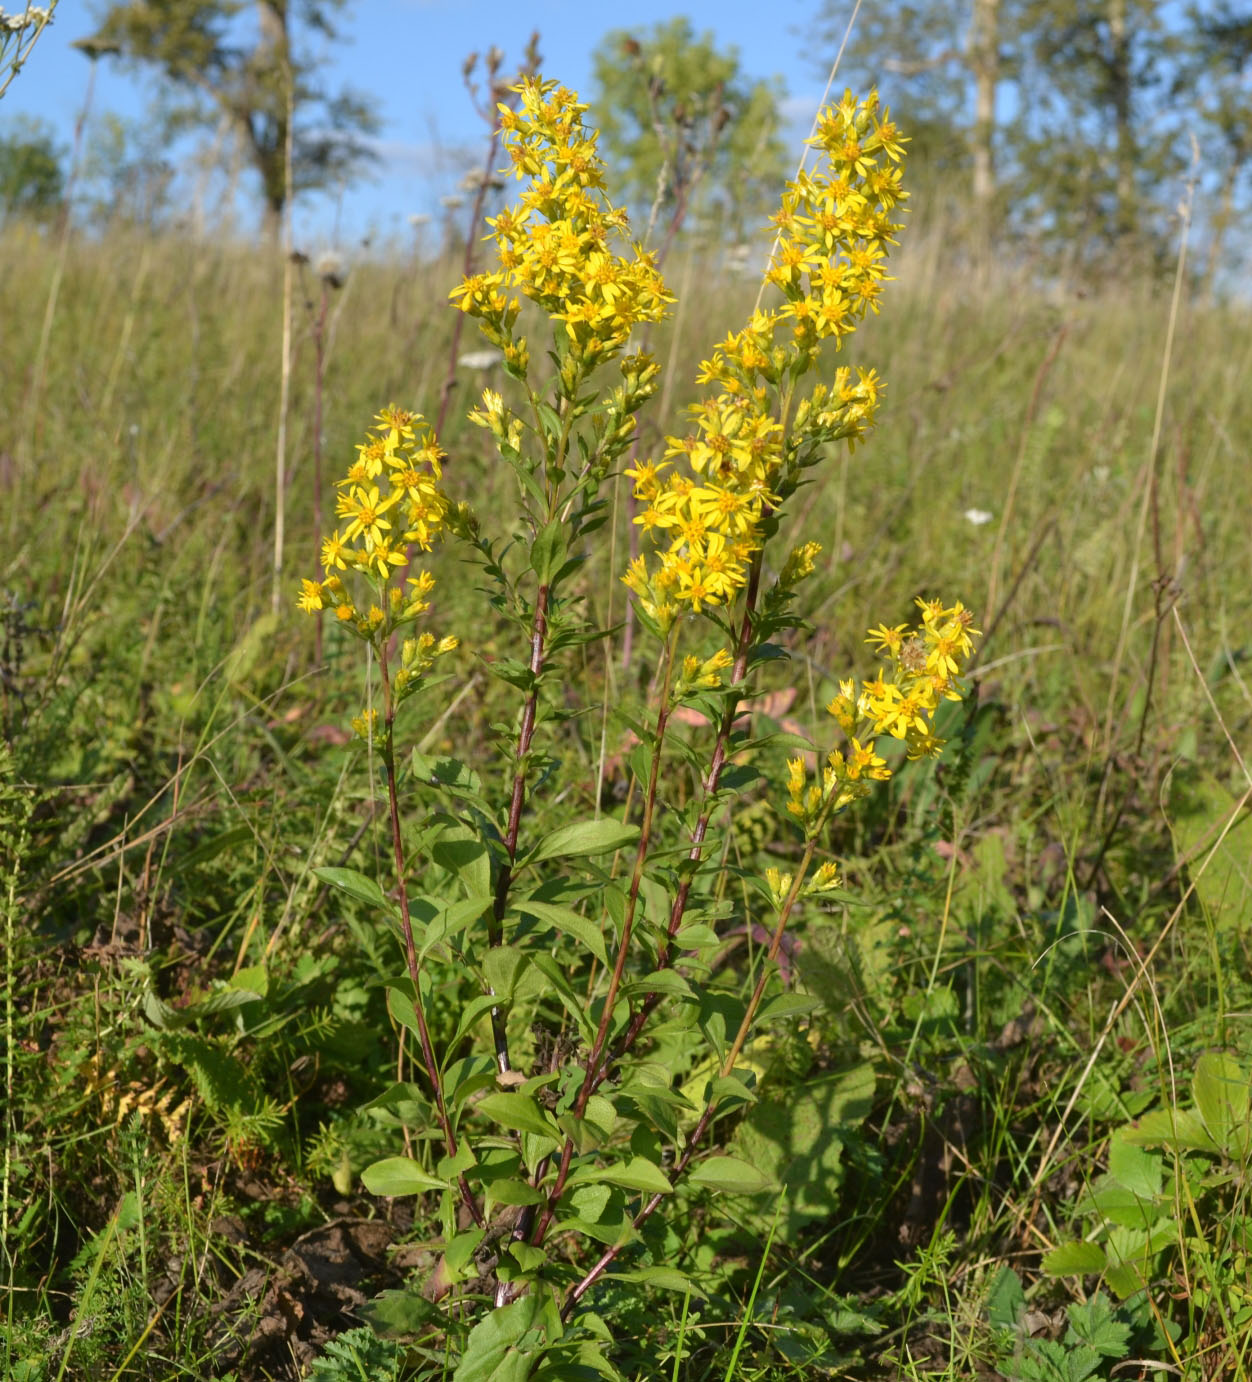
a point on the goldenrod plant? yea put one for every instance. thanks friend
(558, 1125)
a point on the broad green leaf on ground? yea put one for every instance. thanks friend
(1075, 1259)
(1135, 1168)
(796, 1138)
(1221, 1094)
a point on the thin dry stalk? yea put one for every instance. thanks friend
(284, 383)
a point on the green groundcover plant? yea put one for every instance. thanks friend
(597, 1065)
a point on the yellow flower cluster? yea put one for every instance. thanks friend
(834, 225)
(558, 246)
(392, 500)
(745, 453)
(900, 701)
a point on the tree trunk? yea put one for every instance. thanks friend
(984, 59)
(1120, 99)
(269, 125)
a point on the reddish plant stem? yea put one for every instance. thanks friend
(525, 734)
(593, 1070)
(665, 956)
(595, 1075)
(410, 949)
(728, 1065)
(636, 879)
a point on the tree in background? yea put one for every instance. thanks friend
(32, 177)
(253, 77)
(1098, 151)
(1215, 73)
(126, 173)
(941, 65)
(1062, 124)
(675, 113)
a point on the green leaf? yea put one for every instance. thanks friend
(664, 981)
(514, 1192)
(253, 980)
(502, 967)
(797, 1136)
(729, 1174)
(1180, 1128)
(1075, 1259)
(1221, 1094)
(501, 1347)
(548, 551)
(1139, 1171)
(549, 421)
(520, 1112)
(638, 1174)
(355, 885)
(567, 920)
(1006, 1299)
(585, 837)
(470, 1013)
(452, 919)
(663, 1278)
(461, 852)
(1092, 1322)
(399, 1314)
(527, 1258)
(547, 965)
(400, 1006)
(399, 1175)
(449, 773)
(459, 1251)
(785, 1005)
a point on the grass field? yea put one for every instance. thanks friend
(1013, 1136)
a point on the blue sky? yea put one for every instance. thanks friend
(408, 54)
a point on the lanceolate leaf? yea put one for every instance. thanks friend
(662, 1278)
(727, 1173)
(567, 920)
(399, 1175)
(355, 885)
(638, 1174)
(520, 1112)
(585, 837)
